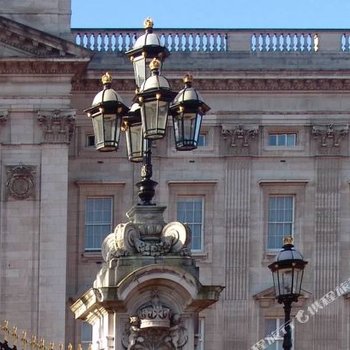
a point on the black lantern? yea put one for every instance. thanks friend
(106, 113)
(154, 98)
(135, 141)
(187, 110)
(287, 272)
(146, 48)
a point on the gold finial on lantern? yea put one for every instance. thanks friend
(188, 78)
(148, 23)
(155, 64)
(106, 78)
(288, 240)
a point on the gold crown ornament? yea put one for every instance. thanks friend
(106, 78)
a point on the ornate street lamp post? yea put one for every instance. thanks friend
(147, 119)
(149, 275)
(287, 272)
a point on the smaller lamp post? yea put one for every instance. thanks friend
(287, 272)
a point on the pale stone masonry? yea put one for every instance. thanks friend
(258, 84)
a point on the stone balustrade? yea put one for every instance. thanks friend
(220, 40)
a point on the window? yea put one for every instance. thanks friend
(85, 335)
(280, 219)
(202, 140)
(283, 139)
(274, 331)
(193, 202)
(98, 221)
(90, 141)
(190, 211)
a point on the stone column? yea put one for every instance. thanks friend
(329, 144)
(57, 127)
(238, 177)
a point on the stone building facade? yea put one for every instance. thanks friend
(274, 160)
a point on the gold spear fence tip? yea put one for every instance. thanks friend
(14, 332)
(24, 337)
(11, 335)
(5, 326)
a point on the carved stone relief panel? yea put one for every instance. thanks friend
(20, 182)
(241, 139)
(155, 326)
(330, 139)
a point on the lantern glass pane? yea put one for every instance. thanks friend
(275, 282)
(187, 129)
(97, 123)
(107, 130)
(142, 70)
(286, 281)
(134, 142)
(154, 118)
(140, 65)
(298, 277)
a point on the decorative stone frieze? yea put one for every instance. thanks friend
(20, 183)
(329, 137)
(42, 66)
(247, 84)
(58, 126)
(240, 137)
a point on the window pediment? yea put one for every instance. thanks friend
(267, 298)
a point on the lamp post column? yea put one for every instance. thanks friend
(147, 186)
(287, 338)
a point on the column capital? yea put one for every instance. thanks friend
(58, 125)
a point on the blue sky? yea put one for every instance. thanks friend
(212, 13)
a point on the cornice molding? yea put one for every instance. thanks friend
(241, 84)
